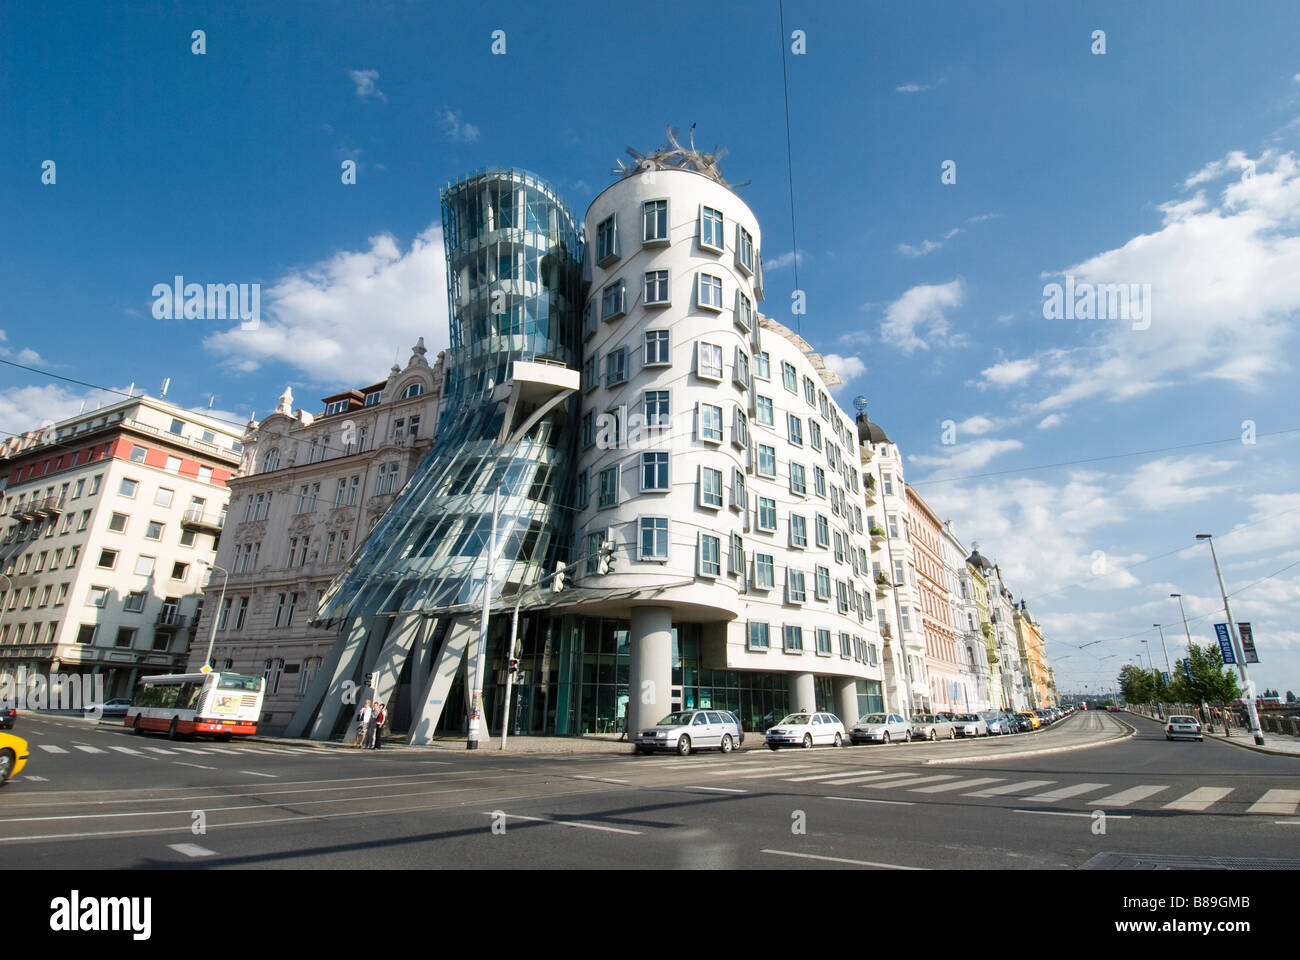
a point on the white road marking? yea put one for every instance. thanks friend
(567, 823)
(1022, 787)
(601, 779)
(758, 776)
(1064, 793)
(959, 785)
(1278, 802)
(1131, 795)
(221, 750)
(896, 803)
(131, 750)
(191, 850)
(182, 763)
(191, 750)
(910, 782)
(88, 749)
(51, 748)
(856, 863)
(1199, 799)
(1067, 813)
(36, 779)
(168, 753)
(739, 769)
(717, 789)
(254, 773)
(826, 776)
(883, 777)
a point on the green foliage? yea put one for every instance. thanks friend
(1210, 683)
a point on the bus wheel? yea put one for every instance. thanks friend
(171, 731)
(224, 737)
(136, 728)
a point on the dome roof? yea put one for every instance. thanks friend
(979, 561)
(869, 432)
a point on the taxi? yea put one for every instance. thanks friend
(1035, 721)
(13, 756)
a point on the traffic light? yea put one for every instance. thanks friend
(514, 664)
(558, 583)
(606, 557)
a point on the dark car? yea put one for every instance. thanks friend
(8, 715)
(1022, 723)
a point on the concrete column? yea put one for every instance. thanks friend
(341, 690)
(803, 693)
(846, 698)
(650, 680)
(392, 656)
(426, 708)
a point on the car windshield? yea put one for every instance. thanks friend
(677, 719)
(796, 718)
(923, 718)
(1182, 719)
(874, 718)
(967, 718)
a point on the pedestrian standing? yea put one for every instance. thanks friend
(363, 724)
(381, 714)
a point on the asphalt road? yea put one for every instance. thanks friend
(94, 796)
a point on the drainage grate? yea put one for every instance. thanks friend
(1163, 861)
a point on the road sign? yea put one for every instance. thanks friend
(1225, 644)
(1247, 643)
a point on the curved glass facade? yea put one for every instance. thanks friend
(514, 277)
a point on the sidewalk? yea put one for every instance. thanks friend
(1278, 744)
(514, 745)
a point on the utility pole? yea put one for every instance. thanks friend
(216, 614)
(480, 661)
(1251, 716)
(1205, 707)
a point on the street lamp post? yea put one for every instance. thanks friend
(212, 637)
(1251, 716)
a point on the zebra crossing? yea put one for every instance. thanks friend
(707, 772)
(174, 750)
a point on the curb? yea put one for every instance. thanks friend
(1132, 732)
(1238, 743)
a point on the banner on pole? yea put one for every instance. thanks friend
(1248, 652)
(1225, 643)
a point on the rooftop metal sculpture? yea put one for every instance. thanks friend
(673, 156)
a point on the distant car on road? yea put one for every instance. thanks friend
(805, 730)
(109, 708)
(881, 728)
(13, 756)
(1031, 718)
(1179, 727)
(970, 725)
(933, 726)
(8, 717)
(691, 730)
(999, 723)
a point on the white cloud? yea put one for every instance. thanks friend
(365, 82)
(914, 87)
(455, 129)
(1008, 373)
(340, 320)
(849, 368)
(1163, 483)
(927, 246)
(961, 457)
(29, 408)
(784, 260)
(977, 425)
(1051, 420)
(921, 308)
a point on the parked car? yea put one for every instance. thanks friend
(109, 708)
(999, 723)
(881, 728)
(1180, 726)
(691, 730)
(970, 725)
(1045, 717)
(933, 726)
(8, 717)
(1031, 718)
(806, 729)
(13, 756)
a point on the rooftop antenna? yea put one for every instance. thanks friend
(211, 400)
(167, 382)
(130, 391)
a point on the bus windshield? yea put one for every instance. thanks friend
(233, 681)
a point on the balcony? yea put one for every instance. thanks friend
(199, 520)
(49, 507)
(199, 446)
(170, 620)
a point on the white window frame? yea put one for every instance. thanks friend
(764, 572)
(667, 346)
(619, 301)
(703, 372)
(657, 301)
(708, 475)
(705, 434)
(641, 528)
(758, 514)
(705, 243)
(705, 568)
(613, 252)
(703, 303)
(667, 469)
(744, 250)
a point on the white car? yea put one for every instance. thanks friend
(1178, 727)
(806, 729)
(970, 725)
(691, 730)
(881, 728)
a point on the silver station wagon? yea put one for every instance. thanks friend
(692, 730)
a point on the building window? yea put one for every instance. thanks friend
(613, 301)
(766, 460)
(153, 530)
(284, 609)
(180, 570)
(135, 601)
(789, 377)
(764, 571)
(117, 523)
(710, 488)
(107, 559)
(709, 361)
(766, 520)
(823, 642)
(272, 671)
(125, 637)
(128, 488)
(711, 228)
(138, 453)
(241, 613)
(739, 497)
(616, 367)
(588, 428)
(739, 429)
(710, 555)
(607, 487)
(657, 348)
(144, 566)
(744, 250)
(798, 531)
(810, 391)
(887, 482)
(656, 288)
(763, 365)
(744, 311)
(793, 637)
(97, 596)
(710, 423)
(814, 434)
(764, 411)
(654, 221)
(653, 538)
(657, 412)
(709, 295)
(819, 480)
(173, 465)
(413, 390)
(740, 368)
(86, 633)
(798, 482)
(758, 638)
(822, 588)
(590, 381)
(581, 494)
(823, 531)
(796, 429)
(654, 472)
(607, 239)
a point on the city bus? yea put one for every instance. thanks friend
(185, 704)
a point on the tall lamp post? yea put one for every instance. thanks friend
(1205, 707)
(212, 637)
(1251, 716)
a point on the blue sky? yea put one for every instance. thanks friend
(1169, 160)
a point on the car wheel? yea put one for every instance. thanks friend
(807, 741)
(886, 738)
(726, 743)
(952, 734)
(173, 731)
(641, 749)
(907, 737)
(7, 762)
(684, 746)
(933, 735)
(839, 740)
(772, 747)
